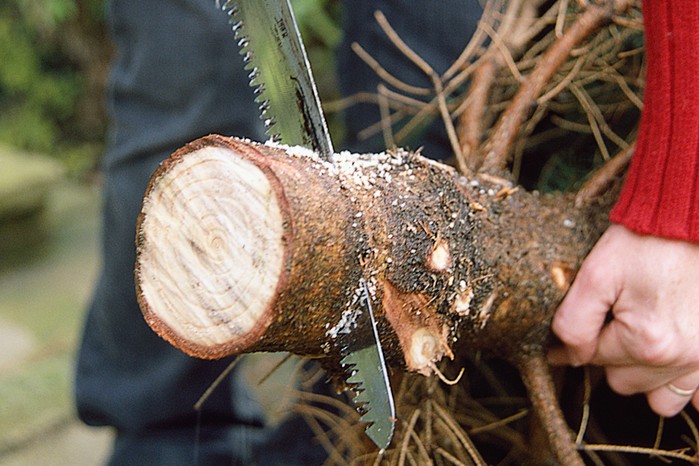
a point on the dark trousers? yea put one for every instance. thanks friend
(176, 77)
(437, 30)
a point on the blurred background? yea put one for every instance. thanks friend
(54, 61)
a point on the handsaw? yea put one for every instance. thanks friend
(359, 341)
(280, 73)
(281, 76)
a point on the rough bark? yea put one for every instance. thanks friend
(248, 247)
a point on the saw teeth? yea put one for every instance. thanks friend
(258, 89)
(362, 404)
(230, 7)
(359, 396)
(355, 378)
(362, 397)
(377, 412)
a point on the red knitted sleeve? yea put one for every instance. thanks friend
(661, 192)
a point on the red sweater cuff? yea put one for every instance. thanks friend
(661, 192)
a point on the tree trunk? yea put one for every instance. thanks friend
(246, 247)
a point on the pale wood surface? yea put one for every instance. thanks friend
(214, 252)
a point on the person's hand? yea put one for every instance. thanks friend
(650, 341)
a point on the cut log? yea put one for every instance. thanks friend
(247, 247)
(219, 252)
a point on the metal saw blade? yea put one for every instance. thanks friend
(280, 73)
(368, 372)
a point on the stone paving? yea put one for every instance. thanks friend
(43, 292)
(45, 284)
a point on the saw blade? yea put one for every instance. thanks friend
(280, 73)
(368, 372)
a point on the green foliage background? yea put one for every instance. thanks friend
(54, 59)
